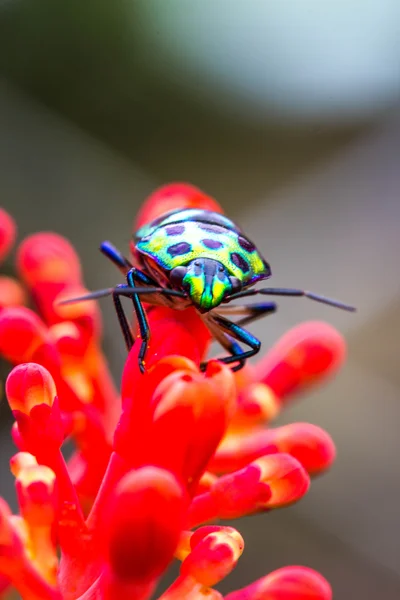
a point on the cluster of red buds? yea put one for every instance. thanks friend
(157, 468)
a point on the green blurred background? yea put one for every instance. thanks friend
(287, 111)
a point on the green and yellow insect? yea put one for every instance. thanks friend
(200, 258)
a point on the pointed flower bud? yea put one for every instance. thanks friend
(304, 357)
(30, 385)
(215, 552)
(310, 445)
(269, 482)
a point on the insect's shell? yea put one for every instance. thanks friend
(177, 237)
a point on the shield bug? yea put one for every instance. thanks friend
(196, 257)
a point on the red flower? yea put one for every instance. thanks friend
(177, 450)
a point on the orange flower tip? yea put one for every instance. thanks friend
(288, 583)
(257, 404)
(29, 385)
(287, 479)
(213, 555)
(20, 461)
(48, 257)
(268, 482)
(222, 530)
(36, 494)
(309, 444)
(8, 233)
(36, 474)
(11, 292)
(183, 548)
(174, 196)
(144, 523)
(206, 482)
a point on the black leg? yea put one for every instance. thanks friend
(227, 342)
(240, 335)
(141, 319)
(109, 250)
(133, 276)
(123, 321)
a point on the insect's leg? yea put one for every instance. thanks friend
(240, 335)
(227, 342)
(123, 321)
(111, 252)
(141, 319)
(250, 312)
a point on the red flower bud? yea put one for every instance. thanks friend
(30, 385)
(302, 358)
(143, 524)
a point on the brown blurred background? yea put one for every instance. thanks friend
(285, 111)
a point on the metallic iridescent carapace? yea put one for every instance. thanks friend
(219, 259)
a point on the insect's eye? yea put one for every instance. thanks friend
(236, 284)
(176, 276)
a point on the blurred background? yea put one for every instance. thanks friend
(287, 111)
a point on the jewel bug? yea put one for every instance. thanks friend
(196, 257)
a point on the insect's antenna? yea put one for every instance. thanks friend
(329, 301)
(295, 292)
(123, 291)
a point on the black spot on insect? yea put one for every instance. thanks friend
(175, 230)
(212, 244)
(211, 228)
(178, 249)
(246, 244)
(239, 262)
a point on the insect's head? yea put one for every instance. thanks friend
(206, 281)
